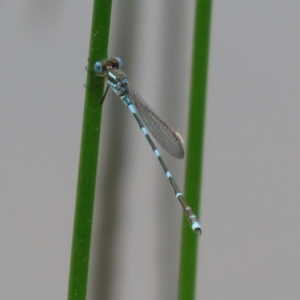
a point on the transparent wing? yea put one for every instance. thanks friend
(169, 139)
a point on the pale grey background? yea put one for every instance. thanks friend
(250, 202)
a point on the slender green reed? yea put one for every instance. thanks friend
(88, 157)
(188, 263)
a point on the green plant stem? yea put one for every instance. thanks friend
(188, 263)
(88, 157)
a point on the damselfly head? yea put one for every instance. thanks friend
(102, 67)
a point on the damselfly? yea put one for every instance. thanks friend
(147, 119)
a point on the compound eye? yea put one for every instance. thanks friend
(120, 62)
(98, 67)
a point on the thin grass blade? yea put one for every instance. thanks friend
(88, 157)
(188, 264)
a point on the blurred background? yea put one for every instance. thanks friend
(250, 192)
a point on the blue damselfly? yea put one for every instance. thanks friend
(147, 119)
